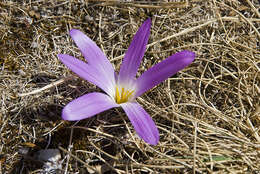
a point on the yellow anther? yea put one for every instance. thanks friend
(123, 96)
(129, 93)
(117, 95)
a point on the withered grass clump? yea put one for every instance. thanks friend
(208, 114)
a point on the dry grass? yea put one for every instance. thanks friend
(208, 114)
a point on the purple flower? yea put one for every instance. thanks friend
(121, 89)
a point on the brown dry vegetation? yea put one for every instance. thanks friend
(208, 114)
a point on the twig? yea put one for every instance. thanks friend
(162, 5)
(46, 87)
(195, 147)
(253, 7)
(188, 30)
(243, 17)
(76, 158)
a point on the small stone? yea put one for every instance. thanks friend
(35, 8)
(88, 18)
(51, 159)
(51, 155)
(21, 72)
(60, 11)
(34, 44)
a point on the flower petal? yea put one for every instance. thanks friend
(163, 70)
(92, 53)
(87, 106)
(142, 122)
(87, 72)
(135, 53)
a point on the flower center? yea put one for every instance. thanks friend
(123, 95)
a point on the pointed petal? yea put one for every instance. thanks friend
(135, 53)
(87, 72)
(87, 106)
(163, 70)
(142, 122)
(92, 53)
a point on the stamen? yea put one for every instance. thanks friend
(123, 96)
(122, 93)
(117, 95)
(130, 93)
